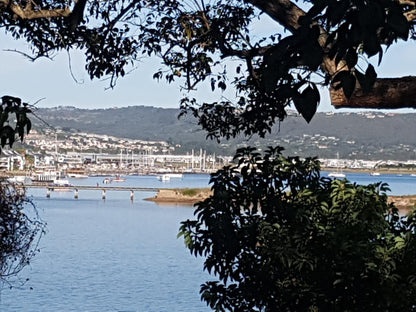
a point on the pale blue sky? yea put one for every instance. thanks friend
(51, 79)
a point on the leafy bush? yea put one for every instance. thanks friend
(20, 231)
(279, 237)
(190, 191)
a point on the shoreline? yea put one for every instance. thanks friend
(185, 196)
(405, 203)
(379, 170)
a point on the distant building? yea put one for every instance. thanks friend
(11, 160)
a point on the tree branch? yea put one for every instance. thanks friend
(77, 14)
(386, 93)
(121, 14)
(410, 15)
(30, 13)
(285, 12)
(407, 2)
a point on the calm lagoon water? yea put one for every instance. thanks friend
(111, 255)
(399, 184)
(117, 255)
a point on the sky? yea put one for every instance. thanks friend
(52, 81)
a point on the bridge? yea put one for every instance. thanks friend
(76, 188)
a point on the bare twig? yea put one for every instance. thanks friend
(70, 69)
(30, 57)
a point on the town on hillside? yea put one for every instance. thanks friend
(47, 157)
(58, 154)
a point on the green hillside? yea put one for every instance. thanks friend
(372, 135)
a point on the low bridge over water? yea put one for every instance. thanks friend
(104, 189)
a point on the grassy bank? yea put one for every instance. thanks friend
(188, 196)
(191, 196)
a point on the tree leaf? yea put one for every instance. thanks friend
(371, 76)
(336, 82)
(272, 63)
(307, 102)
(371, 45)
(348, 85)
(28, 126)
(398, 22)
(312, 55)
(362, 81)
(351, 57)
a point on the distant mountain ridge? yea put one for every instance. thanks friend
(370, 135)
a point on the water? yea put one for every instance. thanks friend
(399, 184)
(115, 255)
(111, 255)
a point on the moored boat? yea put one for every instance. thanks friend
(20, 180)
(336, 174)
(174, 175)
(45, 176)
(76, 173)
(118, 179)
(61, 182)
(163, 177)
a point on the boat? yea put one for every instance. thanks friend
(76, 173)
(374, 173)
(174, 175)
(338, 173)
(45, 176)
(163, 178)
(20, 180)
(61, 182)
(118, 179)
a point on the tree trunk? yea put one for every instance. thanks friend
(387, 93)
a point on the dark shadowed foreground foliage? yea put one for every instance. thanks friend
(20, 231)
(20, 225)
(279, 237)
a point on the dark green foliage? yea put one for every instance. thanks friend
(12, 107)
(278, 237)
(20, 231)
(20, 226)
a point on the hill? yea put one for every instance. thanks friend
(370, 135)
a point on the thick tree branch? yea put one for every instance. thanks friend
(285, 12)
(387, 93)
(407, 2)
(29, 13)
(77, 14)
(410, 15)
